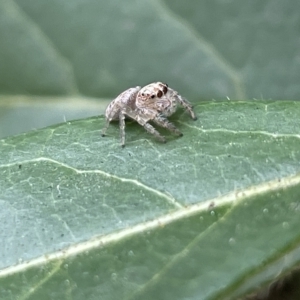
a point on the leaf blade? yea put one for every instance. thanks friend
(128, 222)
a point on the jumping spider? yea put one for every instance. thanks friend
(154, 102)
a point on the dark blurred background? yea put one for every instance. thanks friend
(61, 60)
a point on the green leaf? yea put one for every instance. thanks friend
(206, 49)
(212, 215)
(23, 113)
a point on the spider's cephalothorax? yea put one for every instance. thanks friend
(154, 102)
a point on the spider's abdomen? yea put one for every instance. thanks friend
(127, 98)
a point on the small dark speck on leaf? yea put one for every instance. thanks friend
(229, 155)
(62, 235)
(20, 167)
(211, 205)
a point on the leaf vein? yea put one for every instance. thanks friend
(170, 199)
(224, 130)
(233, 198)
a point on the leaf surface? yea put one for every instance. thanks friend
(211, 215)
(206, 49)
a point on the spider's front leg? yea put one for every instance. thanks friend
(162, 121)
(187, 105)
(143, 119)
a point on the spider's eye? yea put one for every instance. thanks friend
(159, 94)
(152, 96)
(165, 89)
(143, 94)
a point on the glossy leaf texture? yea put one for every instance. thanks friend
(214, 214)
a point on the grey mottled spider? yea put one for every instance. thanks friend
(154, 102)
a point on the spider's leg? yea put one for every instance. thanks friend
(122, 127)
(162, 121)
(113, 109)
(103, 133)
(153, 131)
(187, 105)
(142, 119)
